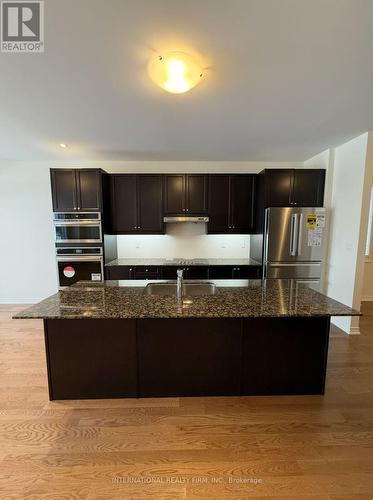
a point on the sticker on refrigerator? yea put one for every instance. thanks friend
(320, 221)
(315, 237)
(96, 276)
(311, 221)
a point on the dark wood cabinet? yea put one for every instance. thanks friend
(219, 204)
(234, 272)
(278, 187)
(192, 357)
(118, 272)
(123, 199)
(185, 194)
(76, 190)
(168, 272)
(190, 272)
(91, 360)
(136, 204)
(308, 188)
(149, 203)
(231, 203)
(294, 187)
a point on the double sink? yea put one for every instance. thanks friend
(188, 288)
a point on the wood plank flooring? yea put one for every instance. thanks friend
(304, 447)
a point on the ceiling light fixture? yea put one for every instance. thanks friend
(63, 145)
(175, 72)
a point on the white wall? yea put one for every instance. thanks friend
(349, 208)
(186, 240)
(27, 270)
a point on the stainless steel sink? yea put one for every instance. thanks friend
(193, 288)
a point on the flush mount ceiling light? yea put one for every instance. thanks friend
(175, 72)
(63, 145)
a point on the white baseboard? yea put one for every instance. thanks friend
(367, 298)
(354, 330)
(338, 322)
(20, 302)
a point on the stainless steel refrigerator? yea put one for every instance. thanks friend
(293, 244)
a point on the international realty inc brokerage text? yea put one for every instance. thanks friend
(185, 480)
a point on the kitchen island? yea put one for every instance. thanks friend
(116, 340)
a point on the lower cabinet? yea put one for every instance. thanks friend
(190, 272)
(118, 273)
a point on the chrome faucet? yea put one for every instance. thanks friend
(179, 284)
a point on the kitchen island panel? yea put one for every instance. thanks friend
(91, 359)
(191, 357)
(284, 355)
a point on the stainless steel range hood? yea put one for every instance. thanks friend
(185, 218)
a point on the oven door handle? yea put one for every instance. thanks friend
(79, 258)
(87, 222)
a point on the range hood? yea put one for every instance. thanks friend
(185, 218)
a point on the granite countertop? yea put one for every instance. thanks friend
(255, 298)
(184, 262)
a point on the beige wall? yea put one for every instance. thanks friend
(367, 293)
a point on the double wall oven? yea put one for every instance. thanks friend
(79, 247)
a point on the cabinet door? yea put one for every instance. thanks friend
(88, 183)
(308, 188)
(146, 273)
(149, 203)
(63, 190)
(123, 204)
(246, 272)
(197, 272)
(221, 272)
(279, 185)
(175, 202)
(118, 272)
(196, 194)
(218, 203)
(242, 203)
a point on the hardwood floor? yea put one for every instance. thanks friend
(303, 447)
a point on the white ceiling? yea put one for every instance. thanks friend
(285, 80)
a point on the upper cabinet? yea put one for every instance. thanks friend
(185, 194)
(136, 204)
(76, 190)
(231, 203)
(290, 187)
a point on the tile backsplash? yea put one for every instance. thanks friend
(184, 240)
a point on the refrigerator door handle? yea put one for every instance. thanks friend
(294, 228)
(299, 244)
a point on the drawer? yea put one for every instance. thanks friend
(118, 272)
(221, 272)
(246, 272)
(146, 272)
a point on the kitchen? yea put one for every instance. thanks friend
(186, 206)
